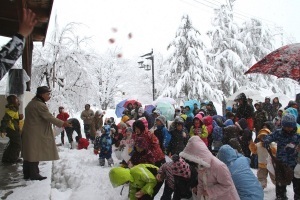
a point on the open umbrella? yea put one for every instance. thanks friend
(120, 108)
(166, 109)
(283, 63)
(164, 99)
(132, 101)
(149, 108)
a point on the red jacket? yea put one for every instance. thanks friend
(63, 116)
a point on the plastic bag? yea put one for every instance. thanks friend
(270, 166)
(57, 130)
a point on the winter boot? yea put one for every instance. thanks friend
(26, 168)
(34, 171)
(110, 162)
(102, 161)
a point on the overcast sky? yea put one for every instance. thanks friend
(153, 23)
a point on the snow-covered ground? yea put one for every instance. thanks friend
(77, 175)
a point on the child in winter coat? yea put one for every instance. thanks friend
(140, 128)
(287, 140)
(10, 127)
(141, 153)
(104, 145)
(126, 145)
(214, 178)
(179, 138)
(207, 121)
(199, 129)
(162, 132)
(262, 153)
(141, 179)
(244, 180)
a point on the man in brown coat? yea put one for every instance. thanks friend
(38, 143)
(87, 116)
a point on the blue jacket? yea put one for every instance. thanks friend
(163, 136)
(104, 142)
(244, 180)
(286, 154)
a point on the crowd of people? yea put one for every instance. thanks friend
(210, 154)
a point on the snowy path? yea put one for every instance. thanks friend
(77, 175)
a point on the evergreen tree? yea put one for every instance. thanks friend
(188, 74)
(227, 53)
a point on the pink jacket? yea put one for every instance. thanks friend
(213, 175)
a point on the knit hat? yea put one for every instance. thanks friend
(289, 120)
(156, 111)
(180, 167)
(196, 151)
(42, 90)
(263, 132)
(229, 108)
(162, 119)
(141, 142)
(129, 129)
(292, 103)
(125, 118)
(228, 122)
(178, 120)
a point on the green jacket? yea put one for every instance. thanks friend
(139, 176)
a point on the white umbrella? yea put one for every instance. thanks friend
(164, 99)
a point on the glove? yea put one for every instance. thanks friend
(96, 151)
(3, 135)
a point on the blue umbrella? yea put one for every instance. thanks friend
(149, 108)
(120, 108)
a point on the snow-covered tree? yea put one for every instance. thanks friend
(188, 74)
(63, 64)
(227, 53)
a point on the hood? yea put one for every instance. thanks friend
(207, 120)
(227, 154)
(292, 111)
(199, 116)
(228, 122)
(119, 176)
(196, 151)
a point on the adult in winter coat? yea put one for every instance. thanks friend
(259, 117)
(87, 116)
(214, 178)
(217, 136)
(141, 178)
(75, 127)
(38, 142)
(62, 115)
(210, 109)
(10, 53)
(97, 123)
(244, 180)
(141, 130)
(287, 140)
(162, 133)
(267, 106)
(10, 127)
(244, 110)
(179, 138)
(199, 128)
(276, 105)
